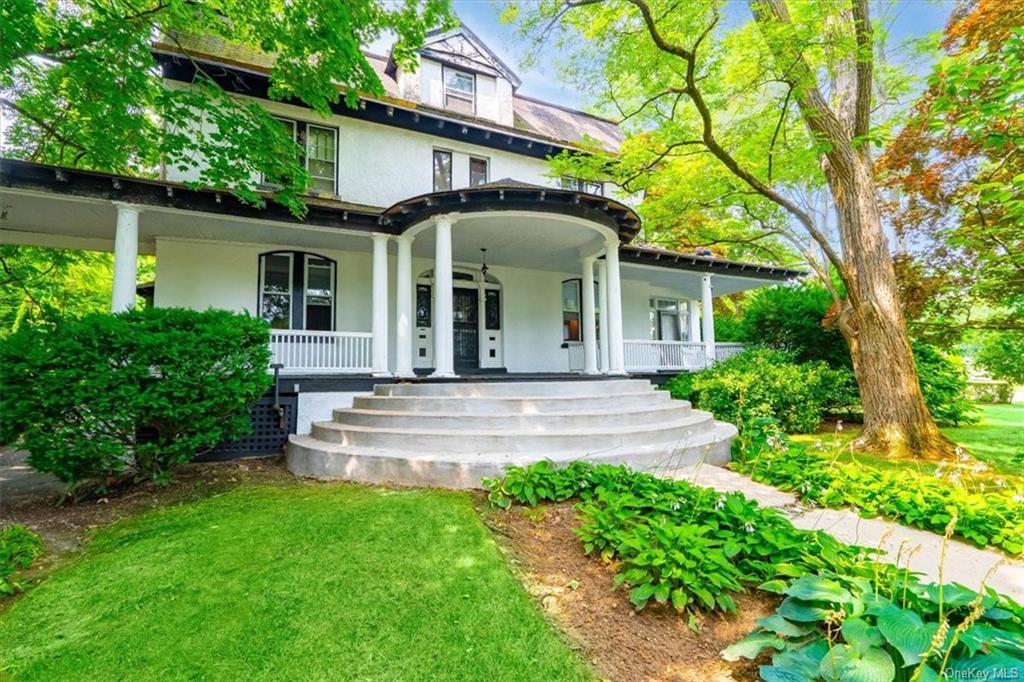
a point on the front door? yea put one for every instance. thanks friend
(465, 318)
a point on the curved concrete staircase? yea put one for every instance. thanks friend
(454, 434)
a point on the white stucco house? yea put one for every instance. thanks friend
(436, 242)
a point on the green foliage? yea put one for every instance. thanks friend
(19, 547)
(944, 385)
(36, 282)
(763, 382)
(993, 517)
(992, 392)
(94, 397)
(873, 627)
(792, 318)
(674, 542)
(86, 91)
(1002, 356)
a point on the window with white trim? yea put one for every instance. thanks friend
(665, 320)
(572, 309)
(459, 90)
(442, 170)
(297, 290)
(477, 171)
(322, 158)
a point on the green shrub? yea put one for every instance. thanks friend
(675, 542)
(19, 547)
(94, 397)
(867, 626)
(790, 318)
(762, 382)
(1001, 355)
(944, 385)
(993, 517)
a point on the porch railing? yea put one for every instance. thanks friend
(315, 352)
(654, 356)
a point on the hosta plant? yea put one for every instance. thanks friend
(858, 627)
(992, 517)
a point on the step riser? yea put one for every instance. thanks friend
(512, 389)
(512, 442)
(628, 401)
(523, 423)
(311, 462)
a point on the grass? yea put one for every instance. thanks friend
(291, 582)
(996, 439)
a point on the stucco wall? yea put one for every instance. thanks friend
(200, 274)
(379, 165)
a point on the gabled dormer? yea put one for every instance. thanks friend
(459, 73)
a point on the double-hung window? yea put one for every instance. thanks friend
(477, 171)
(459, 91)
(571, 307)
(442, 170)
(297, 290)
(578, 185)
(322, 158)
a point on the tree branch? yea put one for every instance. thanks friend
(865, 67)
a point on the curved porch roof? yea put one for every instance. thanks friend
(513, 195)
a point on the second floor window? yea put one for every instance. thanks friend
(477, 171)
(579, 185)
(442, 170)
(321, 158)
(459, 91)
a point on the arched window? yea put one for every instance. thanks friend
(297, 290)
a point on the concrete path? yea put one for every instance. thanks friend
(18, 480)
(965, 563)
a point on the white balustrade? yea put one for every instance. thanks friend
(659, 356)
(727, 350)
(317, 352)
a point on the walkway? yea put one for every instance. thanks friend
(965, 563)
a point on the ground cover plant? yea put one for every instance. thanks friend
(675, 542)
(98, 397)
(19, 547)
(885, 627)
(288, 581)
(986, 517)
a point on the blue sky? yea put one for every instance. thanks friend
(910, 18)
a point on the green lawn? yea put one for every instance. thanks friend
(995, 439)
(292, 582)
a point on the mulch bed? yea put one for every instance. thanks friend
(575, 591)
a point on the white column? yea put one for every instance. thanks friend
(126, 256)
(380, 304)
(444, 350)
(404, 309)
(589, 318)
(694, 314)
(602, 295)
(616, 357)
(708, 318)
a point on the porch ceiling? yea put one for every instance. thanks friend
(688, 283)
(49, 219)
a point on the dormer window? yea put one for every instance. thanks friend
(459, 91)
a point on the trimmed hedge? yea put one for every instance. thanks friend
(99, 396)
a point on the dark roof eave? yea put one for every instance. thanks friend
(682, 261)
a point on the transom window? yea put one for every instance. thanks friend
(297, 290)
(477, 171)
(442, 170)
(459, 91)
(665, 320)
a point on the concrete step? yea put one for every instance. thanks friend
(479, 389)
(513, 440)
(521, 422)
(312, 458)
(527, 404)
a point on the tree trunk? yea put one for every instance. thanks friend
(896, 420)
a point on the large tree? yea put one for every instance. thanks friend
(84, 90)
(773, 108)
